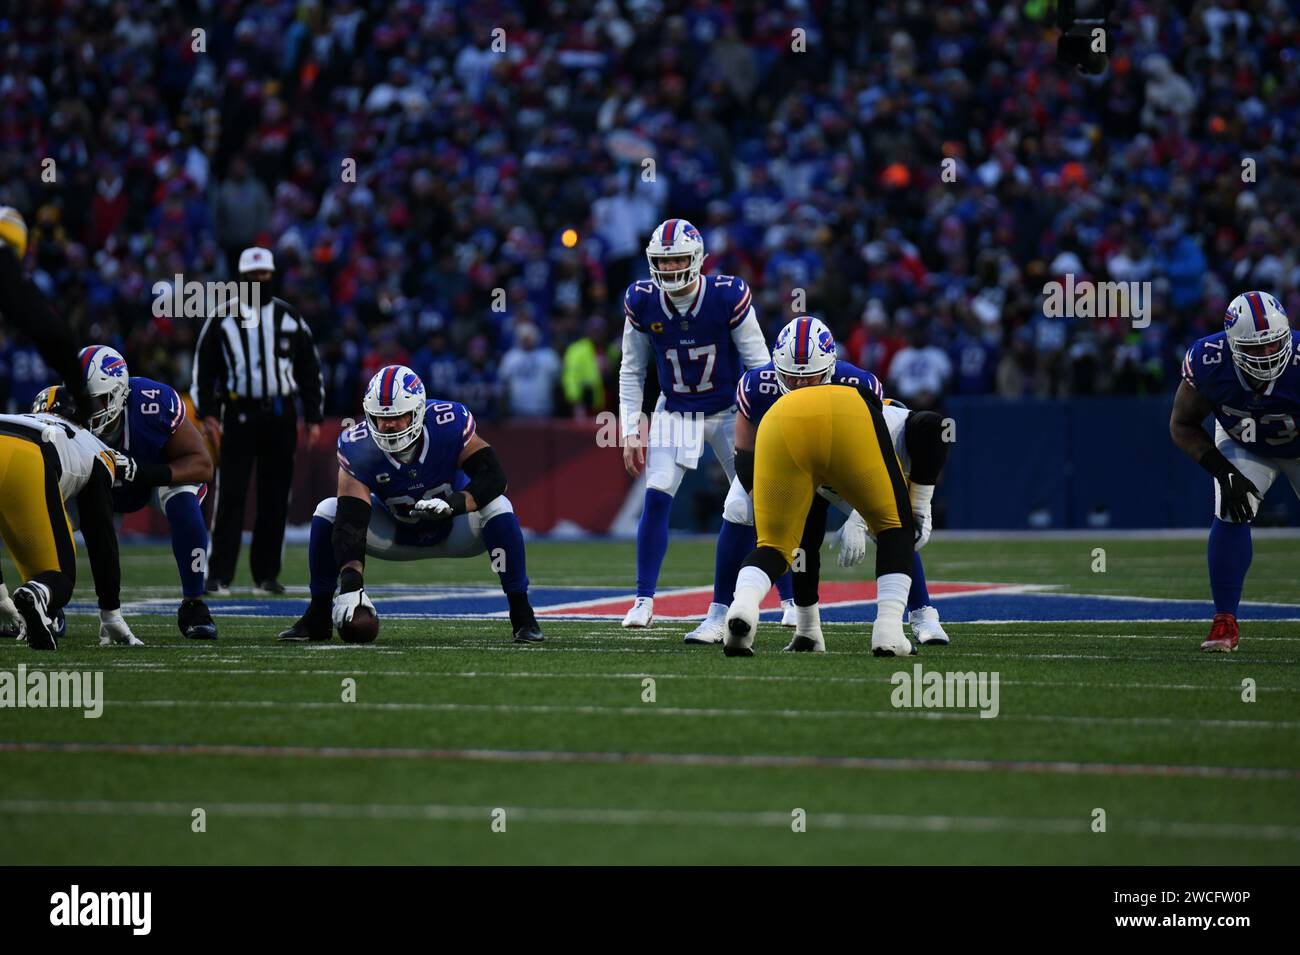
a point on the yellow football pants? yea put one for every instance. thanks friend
(33, 522)
(824, 434)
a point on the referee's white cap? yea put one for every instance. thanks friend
(256, 259)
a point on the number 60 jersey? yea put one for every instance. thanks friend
(1275, 411)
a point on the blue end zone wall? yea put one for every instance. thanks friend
(1070, 459)
(1064, 460)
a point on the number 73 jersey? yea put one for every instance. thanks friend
(1267, 422)
(697, 360)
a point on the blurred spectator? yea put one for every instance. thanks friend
(590, 368)
(920, 372)
(530, 373)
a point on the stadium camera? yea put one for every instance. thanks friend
(1084, 42)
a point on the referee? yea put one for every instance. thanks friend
(248, 367)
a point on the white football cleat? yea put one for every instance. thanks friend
(742, 621)
(712, 629)
(788, 618)
(642, 612)
(926, 629)
(888, 639)
(805, 643)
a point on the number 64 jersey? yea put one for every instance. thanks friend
(1270, 417)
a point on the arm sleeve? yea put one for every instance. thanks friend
(26, 310)
(748, 336)
(95, 504)
(631, 377)
(306, 372)
(209, 369)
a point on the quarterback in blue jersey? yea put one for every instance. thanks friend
(701, 332)
(1248, 377)
(415, 481)
(161, 461)
(804, 356)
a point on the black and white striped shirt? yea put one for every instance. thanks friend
(273, 356)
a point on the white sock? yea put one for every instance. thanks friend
(808, 621)
(922, 494)
(752, 584)
(891, 596)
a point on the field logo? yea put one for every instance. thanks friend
(76, 908)
(49, 689)
(952, 691)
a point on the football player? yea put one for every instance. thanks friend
(701, 332)
(1248, 377)
(805, 356)
(415, 481)
(162, 461)
(46, 463)
(834, 435)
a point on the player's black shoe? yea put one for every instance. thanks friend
(195, 620)
(529, 633)
(269, 587)
(31, 600)
(216, 588)
(522, 619)
(315, 624)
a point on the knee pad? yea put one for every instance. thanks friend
(327, 509)
(769, 560)
(497, 506)
(739, 506)
(167, 494)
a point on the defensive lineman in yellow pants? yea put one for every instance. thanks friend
(833, 435)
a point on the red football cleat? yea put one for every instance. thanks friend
(1223, 634)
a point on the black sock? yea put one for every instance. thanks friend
(521, 611)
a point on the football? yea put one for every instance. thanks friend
(362, 628)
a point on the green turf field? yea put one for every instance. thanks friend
(452, 723)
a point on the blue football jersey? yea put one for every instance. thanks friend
(1209, 369)
(396, 485)
(698, 363)
(154, 412)
(758, 389)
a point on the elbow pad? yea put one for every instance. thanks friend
(487, 479)
(745, 468)
(351, 520)
(923, 438)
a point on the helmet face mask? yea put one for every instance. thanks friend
(804, 354)
(108, 382)
(1259, 335)
(394, 393)
(55, 400)
(675, 254)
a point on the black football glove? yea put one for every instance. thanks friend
(1235, 489)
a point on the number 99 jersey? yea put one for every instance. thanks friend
(395, 485)
(1274, 412)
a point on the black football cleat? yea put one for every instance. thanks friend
(269, 588)
(195, 620)
(530, 632)
(31, 600)
(216, 588)
(314, 625)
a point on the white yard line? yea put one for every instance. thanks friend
(707, 760)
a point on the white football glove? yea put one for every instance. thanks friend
(431, 507)
(113, 629)
(921, 495)
(345, 605)
(853, 541)
(123, 469)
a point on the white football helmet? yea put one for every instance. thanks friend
(805, 348)
(394, 391)
(675, 239)
(1259, 335)
(106, 378)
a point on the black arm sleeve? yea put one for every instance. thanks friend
(95, 503)
(923, 437)
(306, 372)
(745, 468)
(209, 370)
(487, 480)
(351, 519)
(26, 310)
